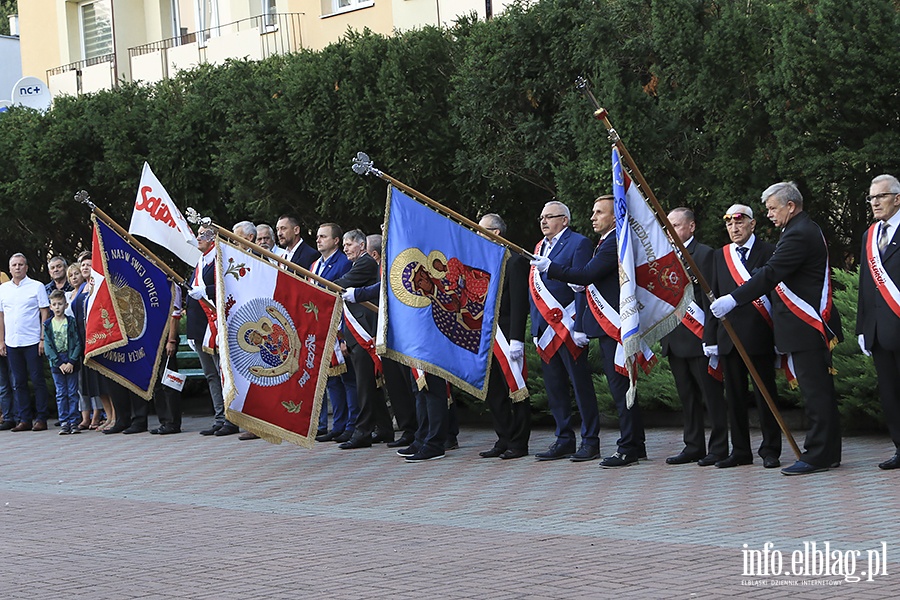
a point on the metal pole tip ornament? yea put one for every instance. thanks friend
(83, 197)
(363, 165)
(196, 218)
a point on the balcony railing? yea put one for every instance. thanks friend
(256, 38)
(83, 76)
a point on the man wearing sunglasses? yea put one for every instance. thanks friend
(733, 265)
(806, 323)
(878, 316)
(689, 362)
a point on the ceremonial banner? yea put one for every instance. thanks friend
(440, 294)
(276, 337)
(156, 218)
(128, 312)
(655, 288)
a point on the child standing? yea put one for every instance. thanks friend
(63, 350)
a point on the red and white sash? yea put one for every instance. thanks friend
(610, 323)
(514, 371)
(816, 318)
(363, 339)
(210, 337)
(883, 282)
(694, 319)
(560, 320)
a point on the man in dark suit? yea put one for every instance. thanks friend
(296, 250)
(563, 349)
(799, 273)
(331, 265)
(599, 318)
(373, 411)
(511, 415)
(878, 316)
(690, 363)
(732, 266)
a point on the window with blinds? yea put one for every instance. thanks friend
(96, 28)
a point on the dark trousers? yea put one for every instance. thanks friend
(562, 369)
(342, 395)
(631, 423)
(887, 367)
(697, 387)
(131, 409)
(6, 391)
(737, 397)
(167, 400)
(432, 415)
(822, 446)
(26, 364)
(401, 395)
(512, 420)
(373, 411)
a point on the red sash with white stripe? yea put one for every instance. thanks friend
(610, 323)
(362, 338)
(514, 371)
(695, 319)
(816, 318)
(561, 320)
(883, 282)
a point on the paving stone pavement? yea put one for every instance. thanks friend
(184, 516)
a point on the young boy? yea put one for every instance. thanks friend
(63, 349)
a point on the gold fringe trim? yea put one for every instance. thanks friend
(519, 395)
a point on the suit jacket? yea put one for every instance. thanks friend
(196, 318)
(681, 341)
(749, 325)
(514, 299)
(874, 319)
(603, 271)
(364, 272)
(571, 250)
(304, 255)
(335, 266)
(799, 261)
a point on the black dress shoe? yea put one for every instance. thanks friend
(321, 432)
(509, 454)
(492, 453)
(115, 429)
(357, 441)
(7, 425)
(771, 462)
(227, 429)
(328, 436)
(682, 458)
(344, 437)
(134, 429)
(405, 440)
(891, 463)
(734, 461)
(585, 453)
(709, 460)
(212, 429)
(557, 451)
(382, 438)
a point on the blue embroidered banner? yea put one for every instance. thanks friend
(440, 294)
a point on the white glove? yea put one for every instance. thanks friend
(197, 292)
(722, 306)
(516, 349)
(576, 288)
(349, 295)
(862, 345)
(710, 350)
(581, 340)
(541, 263)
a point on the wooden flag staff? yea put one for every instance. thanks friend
(363, 165)
(602, 115)
(194, 217)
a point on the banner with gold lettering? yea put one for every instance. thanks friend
(276, 337)
(128, 312)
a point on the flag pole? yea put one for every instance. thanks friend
(85, 198)
(194, 217)
(602, 115)
(363, 165)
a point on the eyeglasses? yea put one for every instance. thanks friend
(879, 197)
(736, 217)
(543, 218)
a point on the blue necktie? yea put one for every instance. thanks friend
(743, 252)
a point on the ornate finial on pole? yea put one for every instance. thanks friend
(363, 165)
(85, 198)
(194, 217)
